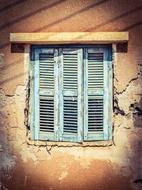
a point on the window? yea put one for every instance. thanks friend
(72, 93)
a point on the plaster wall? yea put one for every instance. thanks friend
(24, 165)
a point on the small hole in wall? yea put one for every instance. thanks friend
(138, 181)
(17, 48)
(136, 109)
(122, 47)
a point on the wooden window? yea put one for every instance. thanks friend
(72, 93)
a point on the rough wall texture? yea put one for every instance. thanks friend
(24, 166)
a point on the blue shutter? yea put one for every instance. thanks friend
(46, 94)
(70, 90)
(97, 101)
(60, 96)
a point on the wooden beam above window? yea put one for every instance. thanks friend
(69, 37)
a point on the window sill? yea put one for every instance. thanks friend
(71, 144)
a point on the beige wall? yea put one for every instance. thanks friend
(25, 166)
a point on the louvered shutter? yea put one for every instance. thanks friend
(96, 94)
(68, 82)
(71, 110)
(46, 94)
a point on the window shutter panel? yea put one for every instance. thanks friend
(46, 94)
(70, 94)
(96, 93)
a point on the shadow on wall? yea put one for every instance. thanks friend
(95, 5)
(45, 8)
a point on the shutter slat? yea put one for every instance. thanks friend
(46, 111)
(93, 67)
(70, 67)
(46, 68)
(70, 125)
(97, 116)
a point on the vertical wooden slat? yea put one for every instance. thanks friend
(31, 102)
(60, 93)
(85, 94)
(80, 91)
(56, 95)
(106, 93)
(36, 94)
(110, 96)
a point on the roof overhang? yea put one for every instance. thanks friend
(70, 37)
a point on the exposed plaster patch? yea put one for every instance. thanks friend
(26, 155)
(89, 154)
(63, 175)
(127, 107)
(129, 95)
(85, 164)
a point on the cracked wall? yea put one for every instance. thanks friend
(24, 165)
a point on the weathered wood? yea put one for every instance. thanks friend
(69, 37)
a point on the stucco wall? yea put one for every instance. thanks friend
(26, 166)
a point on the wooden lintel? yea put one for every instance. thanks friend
(69, 37)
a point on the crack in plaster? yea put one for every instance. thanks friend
(126, 87)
